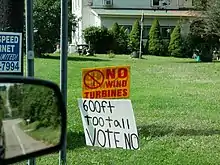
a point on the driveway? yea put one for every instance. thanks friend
(17, 141)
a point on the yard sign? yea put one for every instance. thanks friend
(107, 82)
(109, 123)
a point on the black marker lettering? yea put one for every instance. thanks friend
(85, 107)
(109, 121)
(87, 118)
(116, 140)
(98, 106)
(98, 138)
(133, 135)
(95, 121)
(92, 106)
(127, 141)
(101, 121)
(117, 123)
(90, 138)
(103, 106)
(110, 106)
(123, 123)
(108, 135)
(128, 124)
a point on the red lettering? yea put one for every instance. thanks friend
(122, 72)
(113, 93)
(110, 73)
(109, 93)
(119, 92)
(109, 84)
(87, 95)
(104, 93)
(124, 83)
(98, 94)
(116, 83)
(92, 95)
(125, 92)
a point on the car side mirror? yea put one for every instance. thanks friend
(32, 118)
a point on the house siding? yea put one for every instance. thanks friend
(174, 4)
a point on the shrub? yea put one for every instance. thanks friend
(206, 53)
(120, 39)
(134, 37)
(175, 45)
(100, 39)
(155, 41)
(145, 47)
(165, 47)
(187, 47)
(202, 40)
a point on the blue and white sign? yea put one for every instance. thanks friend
(10, 52)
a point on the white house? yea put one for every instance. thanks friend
(125, 12)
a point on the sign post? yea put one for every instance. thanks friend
(11, 60)
(30, 48)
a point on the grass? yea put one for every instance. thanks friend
(176, 107)
(47, 135)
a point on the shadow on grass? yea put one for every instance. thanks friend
(159, 131)
(75, 140)
(76, 58)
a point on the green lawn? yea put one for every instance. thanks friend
(176, 108)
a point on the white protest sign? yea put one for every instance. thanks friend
(109, 123)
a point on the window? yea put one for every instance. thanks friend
(146, 31)
(128, 27)
(166, 31)
(156, 2)
(193, 2)
(107, 2)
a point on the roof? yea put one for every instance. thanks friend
(161, 13)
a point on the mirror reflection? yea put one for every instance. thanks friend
(30, 119)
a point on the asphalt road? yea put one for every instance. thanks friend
(17, 141)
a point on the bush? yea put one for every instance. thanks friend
(134, 37)
(100, 39)
(206, 53)
(187, 47)
(120, 37)
(202, 40)
(175, 46)
(155, 41)
(165, 47)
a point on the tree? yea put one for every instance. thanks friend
(155, 40)
(209, 29)
(46, 16)
(120, 39)
(134, 37)
(15, 15)
(4, 15)
(35, 103)
(175, 45)
(202, 40)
